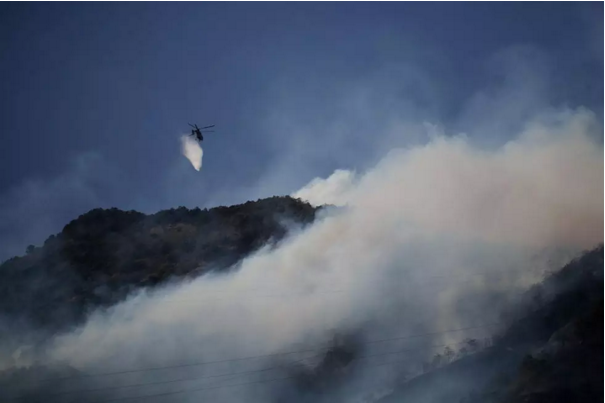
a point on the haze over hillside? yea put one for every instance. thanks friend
(430, 257)
(301, 202)
(103, 255)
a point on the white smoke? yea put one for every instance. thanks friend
(448, 210)
(192, 150)
(334, 190)
(543, 188)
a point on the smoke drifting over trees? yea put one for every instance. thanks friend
(430, 248)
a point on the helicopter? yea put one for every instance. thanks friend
(197, 131)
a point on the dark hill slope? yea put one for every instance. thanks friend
(104, 254)
(552, 352)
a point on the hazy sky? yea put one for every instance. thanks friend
(95, 95)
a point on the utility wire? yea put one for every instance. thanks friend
(409, 336)
(199, 389)
(231, 374)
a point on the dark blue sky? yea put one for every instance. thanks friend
(95, 95)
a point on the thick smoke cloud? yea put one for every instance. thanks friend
(433, 238)
(542, 188)
(334, 190)
(192, 150)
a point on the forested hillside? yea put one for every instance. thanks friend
(552, 352)
(103, 255)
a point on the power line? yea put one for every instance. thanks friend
(81, 376)
(201, 363)
(199, 389)
(238, 373)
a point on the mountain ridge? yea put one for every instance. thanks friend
(105, 254)
(535, 358)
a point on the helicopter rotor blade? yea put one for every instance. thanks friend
(207, 127)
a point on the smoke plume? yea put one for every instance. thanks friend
(192, 150)
(434, 238)
(333, 190)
